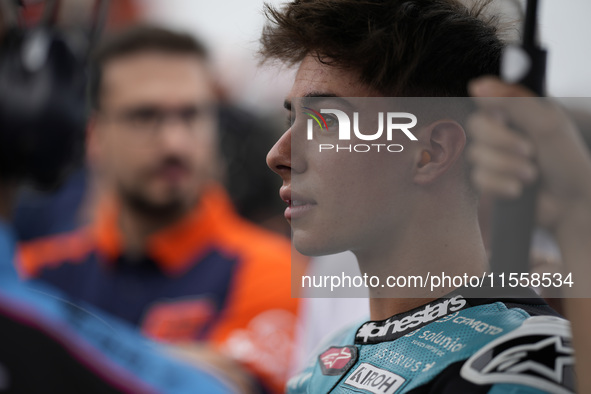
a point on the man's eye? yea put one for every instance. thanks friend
(143, 116)
(189, 115)
(330, 120)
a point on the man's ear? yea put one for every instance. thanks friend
(444, 143)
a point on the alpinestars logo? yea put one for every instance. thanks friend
(543, 359)
(399, 325)
(337, 359)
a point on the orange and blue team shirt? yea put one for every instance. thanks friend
(211, 277)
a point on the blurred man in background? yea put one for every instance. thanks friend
(49, 343)
(167, 252)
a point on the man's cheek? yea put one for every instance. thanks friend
(204, 163)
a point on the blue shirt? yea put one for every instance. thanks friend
(451, 345)
(102, 343)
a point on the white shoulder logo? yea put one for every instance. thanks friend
(537, 354)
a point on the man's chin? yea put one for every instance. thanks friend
(309, 245)
(161, 206)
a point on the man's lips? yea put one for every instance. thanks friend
(298, 205)
(172, 172)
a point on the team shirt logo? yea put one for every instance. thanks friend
(337, 359)
(375, 380)
(539, 356)
(399, 325)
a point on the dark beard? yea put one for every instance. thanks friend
(135, 201)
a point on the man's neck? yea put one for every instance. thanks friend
(425, 250)
(136, 227)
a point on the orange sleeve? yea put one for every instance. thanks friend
(258, 326)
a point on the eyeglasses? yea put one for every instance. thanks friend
(150, 119)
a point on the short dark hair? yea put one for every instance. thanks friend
(137, 39)
(398, 47)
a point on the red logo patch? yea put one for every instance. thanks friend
(337, 359)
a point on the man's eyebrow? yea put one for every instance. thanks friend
(316, 97)
(320, 94)
(287, 102)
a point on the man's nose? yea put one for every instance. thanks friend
(175, 133)
(279, 157)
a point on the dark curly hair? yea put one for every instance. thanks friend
(399, 47)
